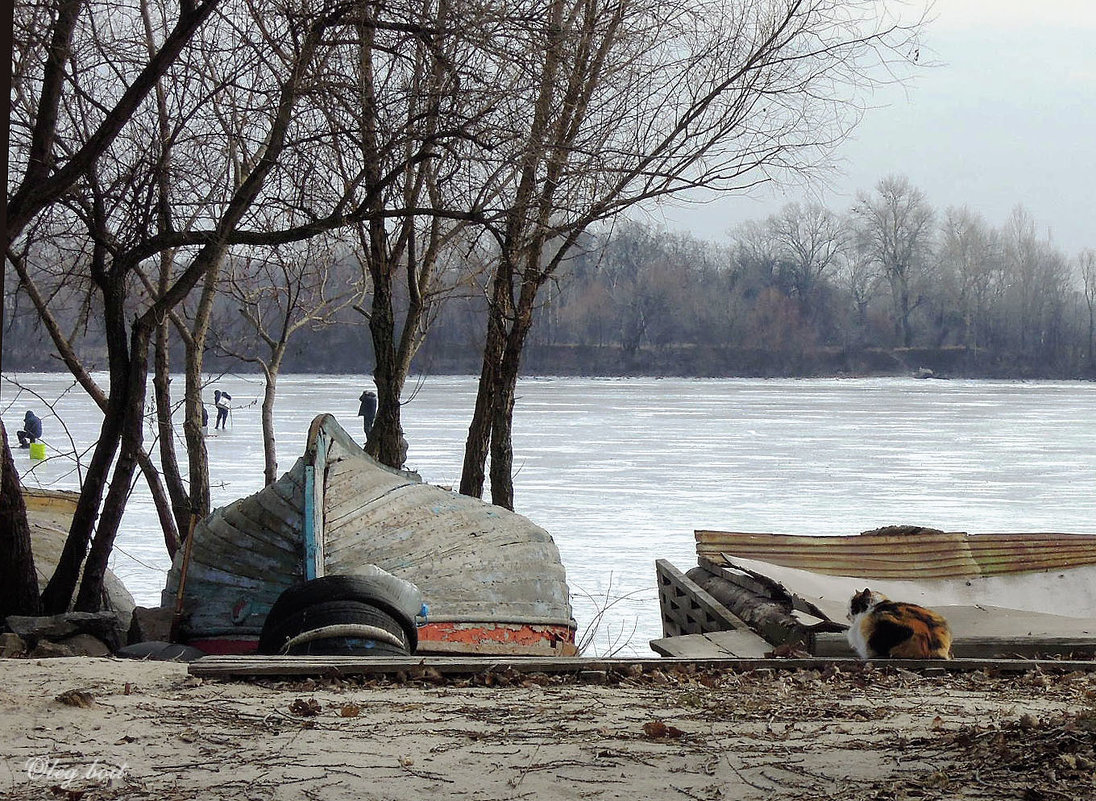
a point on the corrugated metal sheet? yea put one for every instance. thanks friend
(926, 554)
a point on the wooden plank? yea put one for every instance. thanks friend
(230, 545)
(313, 564)
(836, 645)
(224, 667)
(740, 643)
(271, 520)
(686, 607)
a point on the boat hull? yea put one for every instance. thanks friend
(492, 580)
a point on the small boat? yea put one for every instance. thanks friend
(49, 515)
(491, 580)
(1002, 593)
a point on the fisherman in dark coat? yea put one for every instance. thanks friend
(32, 430)
(220, 400)
(368, 409)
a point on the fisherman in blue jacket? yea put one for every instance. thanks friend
(32, 430)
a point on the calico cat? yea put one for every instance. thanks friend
(885, 629)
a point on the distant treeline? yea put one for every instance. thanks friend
(891, 287)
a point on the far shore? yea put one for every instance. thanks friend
(670, 361)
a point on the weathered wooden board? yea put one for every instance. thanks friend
(1059, 603)
(431, 648)
(742, 644)
(470, 560)
(257, 666)
(1018, 647)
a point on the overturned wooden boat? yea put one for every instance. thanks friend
(49, 515)
(1002, 593)
(492, 580)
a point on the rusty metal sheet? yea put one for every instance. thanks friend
(926, 554)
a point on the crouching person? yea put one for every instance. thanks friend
(31, 431)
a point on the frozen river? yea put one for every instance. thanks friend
(621, 471)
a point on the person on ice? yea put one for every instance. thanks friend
(220, 400)
(368, 409)
(31, 431)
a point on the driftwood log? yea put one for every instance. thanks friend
(769, 617)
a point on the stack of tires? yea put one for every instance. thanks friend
(372, 614)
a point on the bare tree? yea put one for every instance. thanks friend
(895, 227)
(49, 160)
(861, 281)
(1036, 276)
(418, 117)
(110, 204)
(636, 101)
(278, 293)
(1087, 263)
(971, 262)
(238, 150)
(811, 241)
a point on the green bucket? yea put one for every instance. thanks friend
(38, 450)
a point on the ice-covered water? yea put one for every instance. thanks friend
(621, 471)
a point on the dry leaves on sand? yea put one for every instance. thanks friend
(77, 698)
(657, 730)
(306, 708)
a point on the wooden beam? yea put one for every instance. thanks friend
(1022, 647)
(743, 644)
(225, 667)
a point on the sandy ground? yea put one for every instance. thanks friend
(152, 731)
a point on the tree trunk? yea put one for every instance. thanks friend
(59, 591)
(384, 440)
(473, 473)
(270, 452)
(161, 502)
(62, 585)
(502, 422)
(197, 455)
(180, 503)
(18, 580)
(131, 414)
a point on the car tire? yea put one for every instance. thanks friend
(278, 631)
(347, 646)
(377, 591)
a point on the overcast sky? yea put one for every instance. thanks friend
(1007, 118)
